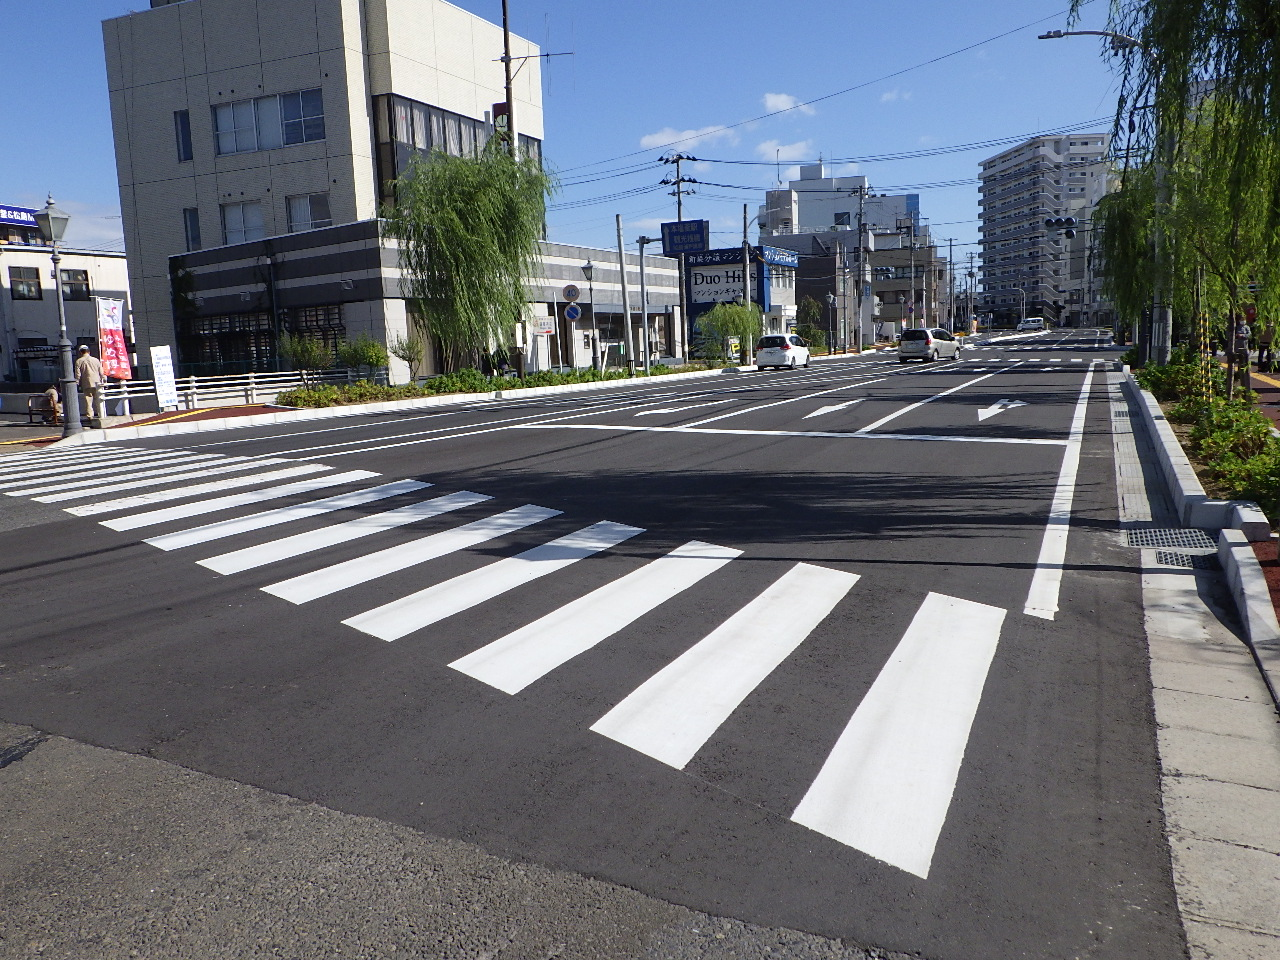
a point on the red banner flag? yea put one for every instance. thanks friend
(111, 343)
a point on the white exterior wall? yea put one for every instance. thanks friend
(36, 319)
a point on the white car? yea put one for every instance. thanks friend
(782, 350)
(928, 344)
(1032, 323)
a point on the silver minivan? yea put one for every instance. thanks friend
(928, 344)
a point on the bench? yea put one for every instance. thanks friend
(39, 403)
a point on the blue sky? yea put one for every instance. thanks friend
(871, 79)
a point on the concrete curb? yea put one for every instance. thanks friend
(1248, 587)
(295, 415)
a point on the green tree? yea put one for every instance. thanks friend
(362, 354)
(409, 349)
(468, 229)
(727, 320)
(809, 323)
(305, 353)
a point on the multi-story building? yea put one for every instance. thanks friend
(822, 218)
(29, 327)
(239, 121)
(1027, 269)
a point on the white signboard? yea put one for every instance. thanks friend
(162, 373)
(716, 284)
(543, 325)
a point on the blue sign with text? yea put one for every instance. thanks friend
(21, 216)
(685, 236)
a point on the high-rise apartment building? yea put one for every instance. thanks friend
(1027, 268)
(894, 274)
(243, 120)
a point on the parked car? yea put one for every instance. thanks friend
(782, 350)
(1032, 323)
(928, 344)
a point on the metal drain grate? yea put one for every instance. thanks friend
(1186, 538)
(1171, 559)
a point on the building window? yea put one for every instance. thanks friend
(302, 116)
(24, 283)
(309, 212)
(191, 227)
(75, 284)
(182, 130)
(266, 123)
(242, 222)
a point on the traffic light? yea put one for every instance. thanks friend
(1065, 224)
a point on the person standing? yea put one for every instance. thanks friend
(1266, 338)
(89, 380)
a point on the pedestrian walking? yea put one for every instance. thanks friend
(1266, 339)
(89, 380)
(1240, 350)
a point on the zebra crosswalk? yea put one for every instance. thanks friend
(887, 784)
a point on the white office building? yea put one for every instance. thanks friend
(1028, 269)
(239, 121)
(29, 327)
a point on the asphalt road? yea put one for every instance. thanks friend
(851, 649)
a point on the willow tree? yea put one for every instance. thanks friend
(468, 229)
(726, 321)
(1208, 69)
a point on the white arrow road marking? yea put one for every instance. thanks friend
(887, 785)
(999, 407)
(831, 409)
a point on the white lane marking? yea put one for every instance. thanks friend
(199, 507)
(158, 478)
(270, 518)
(777, 403)
(673, 713)
(349, 573)
(518, 659)
(832, 408)
(859, 435)
(182, 493)
(1046, 582)
(937, 396)
(888, 782)
(251, 558)
(101, 468)
(685, 409)
(999, 407)
(401, 617)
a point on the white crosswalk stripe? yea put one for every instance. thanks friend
(401, 617)
(152, 478)
(32, 475)
(271, 518)
(887, 785)
(518, 659)
(196, 490)
(200, 507)
(340, 576)
(251, 558)
(673, 713)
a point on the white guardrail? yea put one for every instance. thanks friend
(139, 396)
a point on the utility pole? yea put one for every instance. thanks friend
(746, 272)
(642, 242)
(681, 271)
(864, 273)
(951, 284)
(626, 301)
(512, 145)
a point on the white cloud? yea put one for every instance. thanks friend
(889, 96)
(669, 136)
(788, 152)
(774, 102)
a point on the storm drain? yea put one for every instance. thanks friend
(1185, 538)
(1191, 561)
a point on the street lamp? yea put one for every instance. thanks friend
(53, 225)
(642, 242)
(588, 272)
(1022, 312)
